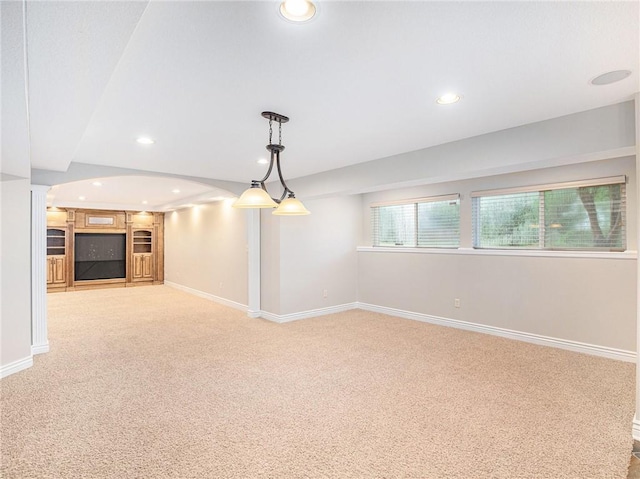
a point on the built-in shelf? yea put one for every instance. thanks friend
(56, 242)
(142, 241)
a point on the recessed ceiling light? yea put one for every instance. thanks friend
(448, 99)
(175, 191)
(610, 77)
(144, 202)
(96, 183)
(263, 161)
(297, 10)
(143, 140)
(82, 198)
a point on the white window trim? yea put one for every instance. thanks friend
(413, 201)
(612, 180)
(613, 255)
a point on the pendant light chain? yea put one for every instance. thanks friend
(271, 132)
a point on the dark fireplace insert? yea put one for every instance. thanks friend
(100, 256)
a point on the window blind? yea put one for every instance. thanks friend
(588, 215)
(423, 222)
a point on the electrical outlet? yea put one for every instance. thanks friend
(325, 293)
(456, 302)
(220, 284)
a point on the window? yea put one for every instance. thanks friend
(424, 222)
(585, 215)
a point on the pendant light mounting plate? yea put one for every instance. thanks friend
(269, 115)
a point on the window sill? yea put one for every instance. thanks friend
(503, 252)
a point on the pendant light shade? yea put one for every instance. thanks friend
(255, 197)
(292, 206)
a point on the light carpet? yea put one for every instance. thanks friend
(152, 382)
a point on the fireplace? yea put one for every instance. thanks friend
(100, 256)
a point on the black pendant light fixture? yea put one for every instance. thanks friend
(257, 195)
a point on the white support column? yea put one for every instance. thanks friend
(636, 419)
(39, 339)
(253, 240)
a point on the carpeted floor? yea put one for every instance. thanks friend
(151, 382)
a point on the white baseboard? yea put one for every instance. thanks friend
(16, 366)
(635, 431)
(593, 349)
(209, 296)
(586, 348)
(285, 318)
(39, 348)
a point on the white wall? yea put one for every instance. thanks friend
(585, 300)
(15, 249)
(589, 300)
(318, 254)
(15, 260)
(206, 250)
(15, 134)
(315, 253)
(270, 289)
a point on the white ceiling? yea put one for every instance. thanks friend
(134, 193)
(359, 81)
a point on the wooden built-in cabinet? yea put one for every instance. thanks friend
(56, 258)
(142, 267)
(142, 255)
(56, 277)
(145, 241)
(133, 244)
